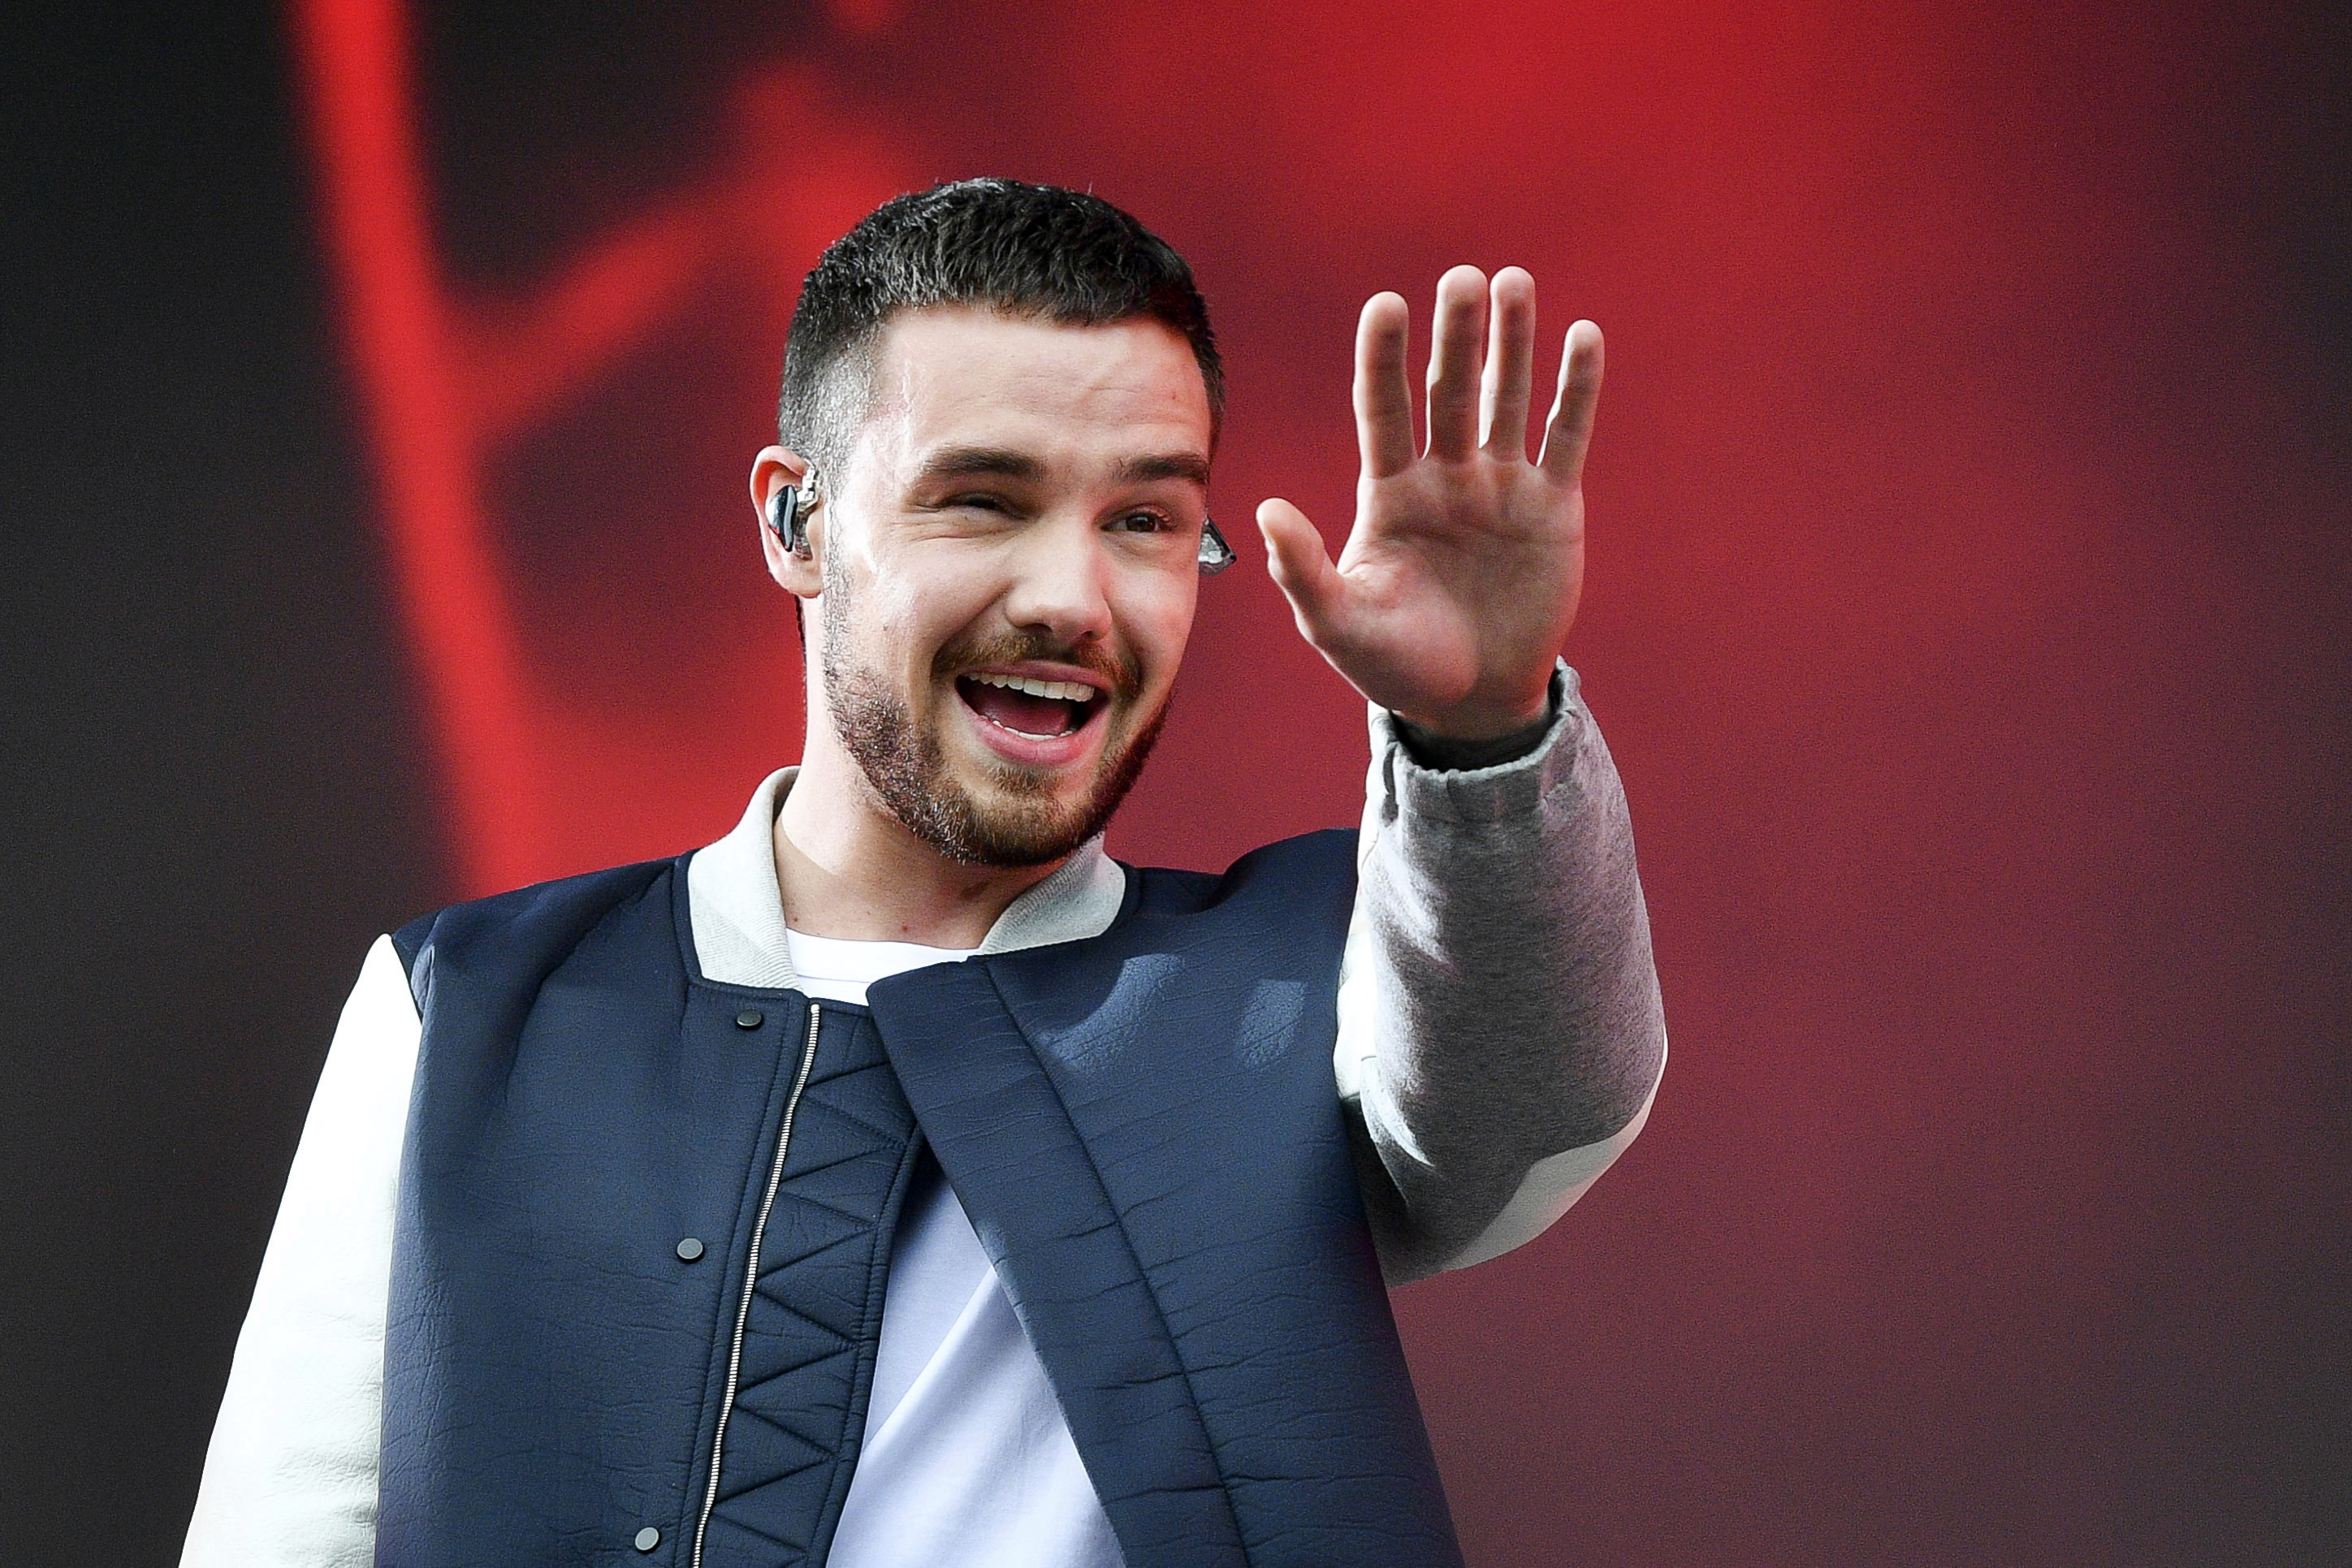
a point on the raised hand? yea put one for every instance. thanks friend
(1461, 577)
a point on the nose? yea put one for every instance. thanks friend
(1061, 584)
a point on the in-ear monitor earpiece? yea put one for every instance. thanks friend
(788, 513)
(1216, 553)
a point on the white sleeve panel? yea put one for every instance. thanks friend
(290, 1479)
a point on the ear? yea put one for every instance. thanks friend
(775, 468)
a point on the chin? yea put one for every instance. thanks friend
(986, 810)
(999, 829)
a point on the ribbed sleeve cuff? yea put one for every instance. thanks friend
(1476, 795)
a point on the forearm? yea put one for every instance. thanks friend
(1500, 992)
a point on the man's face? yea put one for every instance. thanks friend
(1010, 573)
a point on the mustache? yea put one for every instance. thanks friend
(1125, 675)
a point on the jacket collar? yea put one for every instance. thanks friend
(737, 908)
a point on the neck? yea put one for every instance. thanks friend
(850, 869)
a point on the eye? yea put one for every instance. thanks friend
(977, 502)
(1143, 522)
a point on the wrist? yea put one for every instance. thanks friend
(1457, 745)
(1477, 722)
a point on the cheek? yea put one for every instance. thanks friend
(1158, 618)
(905, 625)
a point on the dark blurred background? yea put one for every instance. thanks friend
(1970, 610)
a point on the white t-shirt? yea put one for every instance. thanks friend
(967, 1459)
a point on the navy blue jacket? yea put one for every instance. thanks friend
(1143, 1127)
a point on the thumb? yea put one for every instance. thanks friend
(1300, 567)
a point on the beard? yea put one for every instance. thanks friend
(904, 763)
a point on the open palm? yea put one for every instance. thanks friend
(1460, 576)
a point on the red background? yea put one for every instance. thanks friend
(1968, 611)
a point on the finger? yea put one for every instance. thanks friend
(1300, 567)
(1570, 429)
(1383, 386)
(1453, 362)
(1510, 364)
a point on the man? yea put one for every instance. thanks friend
(899, 1180)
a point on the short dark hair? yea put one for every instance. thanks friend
(1040, 251)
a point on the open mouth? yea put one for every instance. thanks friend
(1038, 710)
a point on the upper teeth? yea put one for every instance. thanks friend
(1060, 691)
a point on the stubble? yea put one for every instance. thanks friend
(1023, 824)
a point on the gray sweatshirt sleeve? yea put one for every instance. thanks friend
(1500, 1033)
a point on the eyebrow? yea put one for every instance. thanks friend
(1189, 465)
(973, 461)
(969, 462)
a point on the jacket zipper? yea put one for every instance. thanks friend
(750, 1281)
